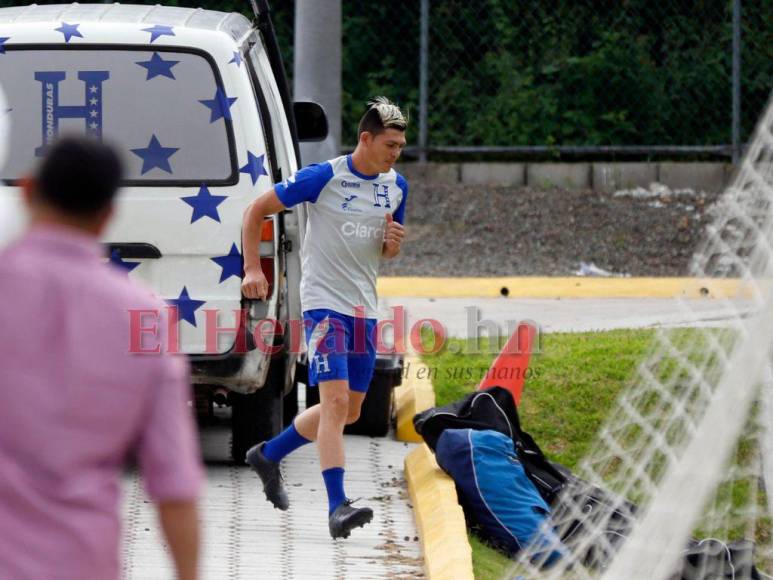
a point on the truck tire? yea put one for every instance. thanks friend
(257, 416)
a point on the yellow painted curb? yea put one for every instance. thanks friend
(547, 287)
(413, 396)
(439, 518)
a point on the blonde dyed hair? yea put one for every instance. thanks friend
(390, 114)
(382, 114)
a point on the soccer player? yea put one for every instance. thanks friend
(356, 209)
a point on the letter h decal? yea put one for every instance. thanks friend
(52, 111)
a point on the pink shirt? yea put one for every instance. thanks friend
(75, 405)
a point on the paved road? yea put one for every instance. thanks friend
(245, 537)
(559, 315)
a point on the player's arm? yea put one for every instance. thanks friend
(305, 185)
(254, 284)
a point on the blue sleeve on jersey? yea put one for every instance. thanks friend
(399, 214)
(305, 185)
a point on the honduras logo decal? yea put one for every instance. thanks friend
(53, 111)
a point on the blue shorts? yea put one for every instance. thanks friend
(341, 347)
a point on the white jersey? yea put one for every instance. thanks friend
(345, 231)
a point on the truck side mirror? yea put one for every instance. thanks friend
(310, 121)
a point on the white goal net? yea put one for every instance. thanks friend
(678, 481)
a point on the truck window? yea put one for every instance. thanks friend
(166, 111)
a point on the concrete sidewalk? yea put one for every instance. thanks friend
(244, 537)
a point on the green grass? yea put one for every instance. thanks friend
(573, 381)
(487, 563)
(571, 385)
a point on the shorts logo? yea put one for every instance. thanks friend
(321, 364)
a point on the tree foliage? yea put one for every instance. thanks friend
(551, 72)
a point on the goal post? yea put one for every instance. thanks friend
(686, 453)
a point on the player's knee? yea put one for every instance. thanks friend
(337, 404)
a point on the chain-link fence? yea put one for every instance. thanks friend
(572, 76)
(594, 73)
(552, 76)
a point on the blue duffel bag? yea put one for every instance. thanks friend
(495, 489)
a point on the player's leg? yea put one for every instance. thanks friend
(334, 409)
(307, 423)
(338, 406)
(355, 406)
(360, 363)
(264, 458)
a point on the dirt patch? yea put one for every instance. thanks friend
(462, 230)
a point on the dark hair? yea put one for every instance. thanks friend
(79, 175)
(380, 116)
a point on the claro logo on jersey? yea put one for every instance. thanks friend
(361, 231)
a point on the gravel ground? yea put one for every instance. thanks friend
(463, 230)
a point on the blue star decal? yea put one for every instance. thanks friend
(155, 156)
(237, 59)
(255, 167)
(220, 105)
(186, 306)
(159, 30)
(69, 30)
(204, 204)
(231, 264)
(115, 258)
(158, 67)
(3, 40)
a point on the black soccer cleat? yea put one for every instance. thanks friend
(345, 518)
(270, 475)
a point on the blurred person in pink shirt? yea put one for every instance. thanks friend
(77, 405)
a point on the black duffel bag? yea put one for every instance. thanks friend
(494, 408)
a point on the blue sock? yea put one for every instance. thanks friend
(334, 482)
(283, 444)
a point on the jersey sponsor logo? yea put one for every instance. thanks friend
(361, 231)
(347, 184)
(347, 205)
(384, 194)
(90, 111)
